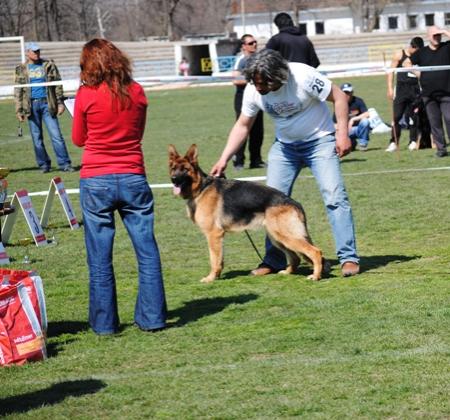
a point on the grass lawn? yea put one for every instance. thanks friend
(373, 346)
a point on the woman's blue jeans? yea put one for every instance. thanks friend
(132, 197)
(284, 165)
(39, 113)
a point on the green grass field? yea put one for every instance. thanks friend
(373, 346)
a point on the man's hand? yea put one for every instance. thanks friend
(20, 117)
(219, 168)
(61, 109)
(343, 145)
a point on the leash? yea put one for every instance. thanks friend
(253, 244)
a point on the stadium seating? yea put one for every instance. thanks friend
(157, 58)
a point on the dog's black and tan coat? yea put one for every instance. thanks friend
(218, 205)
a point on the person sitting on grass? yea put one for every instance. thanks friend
(358, 119)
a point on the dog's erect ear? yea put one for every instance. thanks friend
(173, 154)
(192, 154)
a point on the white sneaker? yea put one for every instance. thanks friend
(412, 146)
(391, 148)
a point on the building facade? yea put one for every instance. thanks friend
(415, 15)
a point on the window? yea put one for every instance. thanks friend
(302, 27)
(446, 19)
(412, 21)
(393, 22)
(429, 19)
(320, 28)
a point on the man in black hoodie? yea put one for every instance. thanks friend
(291, 43)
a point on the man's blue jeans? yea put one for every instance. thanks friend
(132, 197)
(359, 134)
(284, 165)
(39, 113)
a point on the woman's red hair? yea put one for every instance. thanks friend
(101, 61)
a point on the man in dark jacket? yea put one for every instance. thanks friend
(291, 43)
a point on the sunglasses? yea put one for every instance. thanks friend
(251, 43)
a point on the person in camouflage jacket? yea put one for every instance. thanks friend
(40, 105)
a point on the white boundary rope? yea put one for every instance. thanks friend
(263, 178)
(73, 84)
(415, 68)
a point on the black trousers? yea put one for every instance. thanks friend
(405, 96)
(438, 108)
(255, 138)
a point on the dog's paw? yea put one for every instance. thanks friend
(207, 279)
(313, 277)
(290, 269)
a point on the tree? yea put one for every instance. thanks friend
(67, 20)
(366, 13)
(170, 7)
(297, 6)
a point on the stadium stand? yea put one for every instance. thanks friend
(157, 58)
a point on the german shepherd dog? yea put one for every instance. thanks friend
(219, 205)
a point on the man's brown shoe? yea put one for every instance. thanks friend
(262, 270)
(350, 268)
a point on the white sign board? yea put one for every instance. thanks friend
(57, 186)
(70, 105)
(21, 199)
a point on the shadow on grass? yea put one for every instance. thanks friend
(49, 396)
(304, 269)
(375, 261)
(232, 274)
(350, 160)
(198, 308)
(55, 329)
(31, 168)
(372, 262)
(37, 169)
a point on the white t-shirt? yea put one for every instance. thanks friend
(298, 108)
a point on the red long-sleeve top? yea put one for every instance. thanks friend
(111, 136)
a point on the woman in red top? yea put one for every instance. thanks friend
(109, 122)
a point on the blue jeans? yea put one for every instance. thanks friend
(284, 165)
(39, 113)
(360, 133)
(132, 197)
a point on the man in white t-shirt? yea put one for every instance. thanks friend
(294, 95)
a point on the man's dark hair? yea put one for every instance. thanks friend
(417, 42)
(283, 20)
(269, 65)
(244, 37)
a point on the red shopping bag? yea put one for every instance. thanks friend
(34, 287)
(4, 272)
(21, 336)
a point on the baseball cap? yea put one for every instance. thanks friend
(347, 87)
(33, 46)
